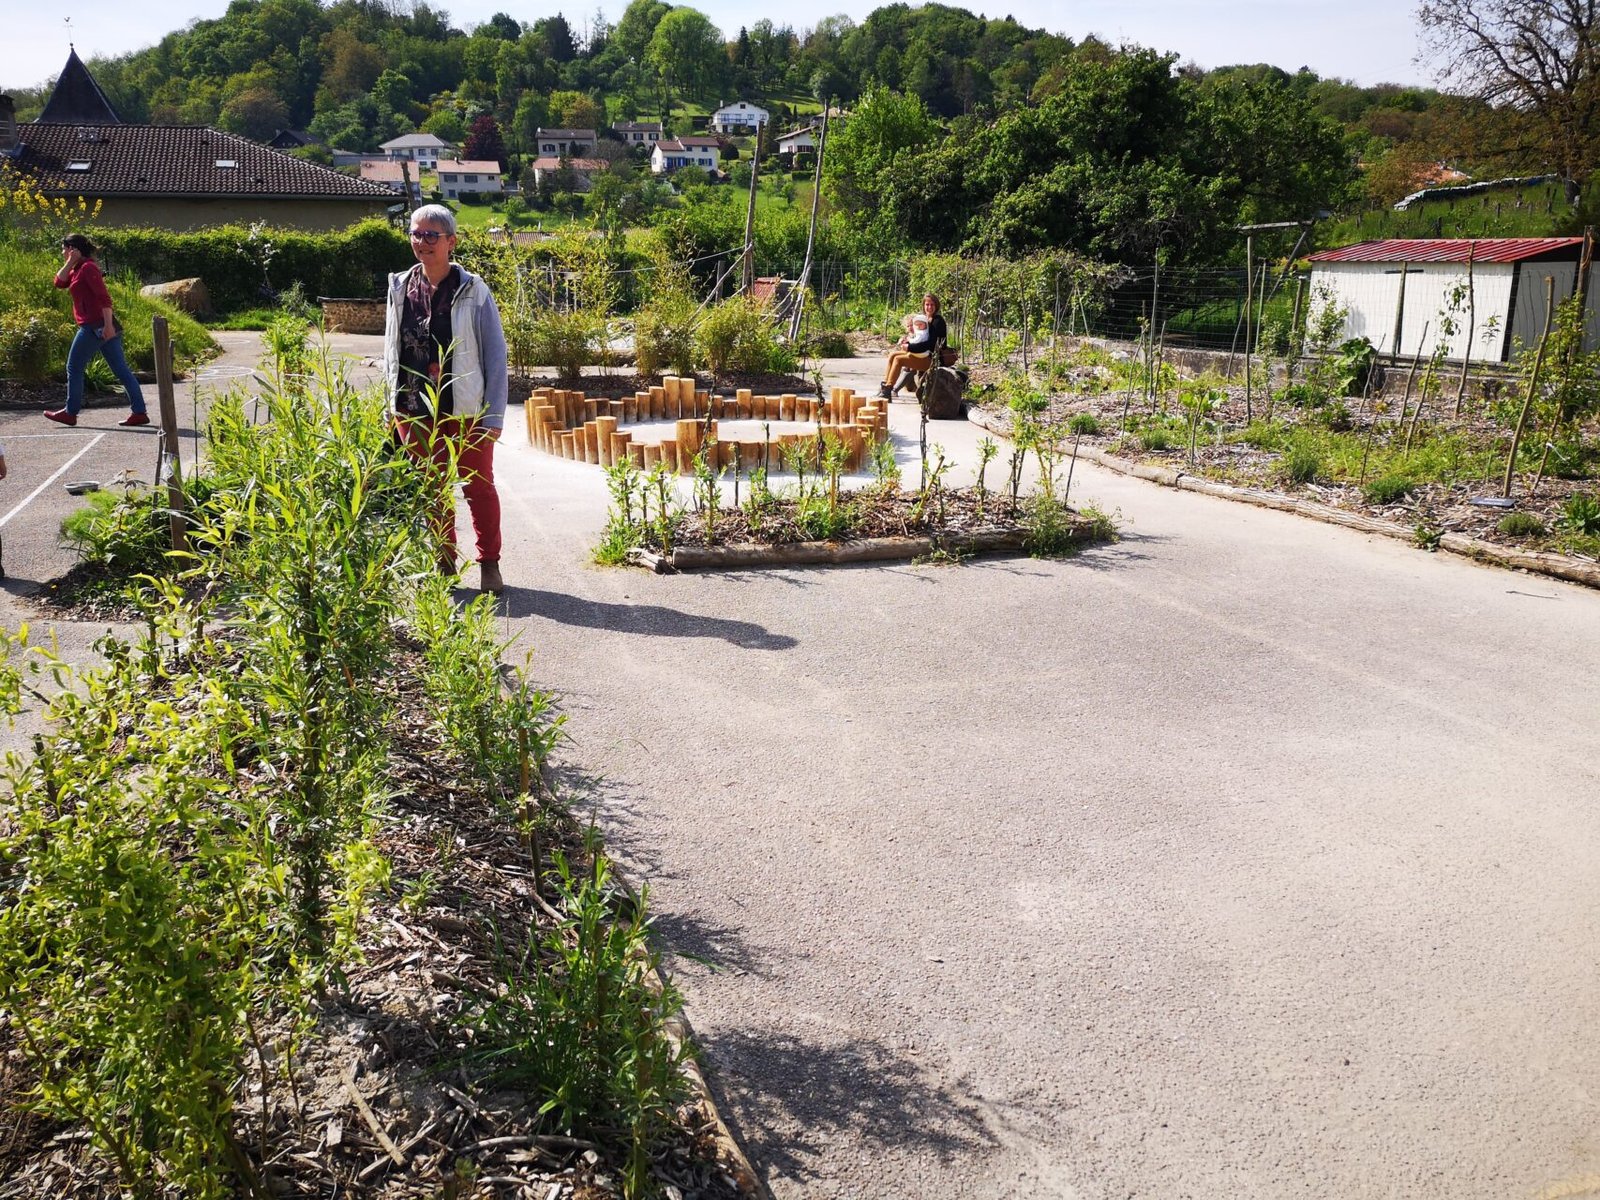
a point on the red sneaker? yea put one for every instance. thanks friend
(61, 416)
(135, 419)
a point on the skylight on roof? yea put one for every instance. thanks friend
(79, 166)
(227, 162)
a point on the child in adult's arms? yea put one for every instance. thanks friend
(915, 352)
(98, 332)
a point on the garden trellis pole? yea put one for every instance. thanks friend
(1572, 350)
(170, 468)
(1533, 385)
(811, 237)
(1249, 291)
(750, 218)
(1472, 324)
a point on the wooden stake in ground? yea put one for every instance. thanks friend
(1249, 290)
(750, 219)
(1411, 378)
(1472, 323)
(1533, 385)
(1573, 349)
(170, 467)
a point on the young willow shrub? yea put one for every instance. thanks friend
(663, 336)
(736, 335)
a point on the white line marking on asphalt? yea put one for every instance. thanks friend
(64, 466)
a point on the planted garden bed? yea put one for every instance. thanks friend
(290, 901)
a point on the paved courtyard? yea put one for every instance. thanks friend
(1246, 857)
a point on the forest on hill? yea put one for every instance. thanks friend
(962, 132)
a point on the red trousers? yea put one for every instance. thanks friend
(473, 447)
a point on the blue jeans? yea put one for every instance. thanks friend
(85, 345)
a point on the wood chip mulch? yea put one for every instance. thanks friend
(383, 1106)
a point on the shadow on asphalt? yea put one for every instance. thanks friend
(792, 1102)
(651, 620)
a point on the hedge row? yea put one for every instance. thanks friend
(244, 267)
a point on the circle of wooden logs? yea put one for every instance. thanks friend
(572, 425)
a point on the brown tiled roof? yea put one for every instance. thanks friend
(470, 166)
(173, 160)
(381, 170)
(551, 163)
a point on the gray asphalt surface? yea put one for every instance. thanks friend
(1248, 857)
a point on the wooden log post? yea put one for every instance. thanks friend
(636, 453)
(652, 455)
(604, 428)
(161, 335)
(658, 403)
(620, 441)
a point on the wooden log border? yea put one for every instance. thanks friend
(1535, 562)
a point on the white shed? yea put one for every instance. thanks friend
(1421, 283)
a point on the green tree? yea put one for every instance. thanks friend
(256, 113)
(883, 127)
(637, 26)
(686, 50)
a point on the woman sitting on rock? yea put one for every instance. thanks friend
(915, 350)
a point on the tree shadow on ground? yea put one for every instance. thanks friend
(791, 1102)
(650, 620)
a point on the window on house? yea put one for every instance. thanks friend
(469, 179)
(451, 193)
(78, 166)
(226, 163)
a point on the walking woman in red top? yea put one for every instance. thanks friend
(97, 332)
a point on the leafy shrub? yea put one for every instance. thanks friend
(565, 341)
(1301, 463)
(1336, 417)
(1299, 395)
(1263, 435)
(1389, 489)
(125, 531)
(1157, 438)
(29, 340)
(830, 343)
(1084, 424)
(1581, 514)
(735, 336)
(348, 262)
(578, 1022)
(1522, 525)
(663, 336)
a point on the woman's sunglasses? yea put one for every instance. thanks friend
(427, 235)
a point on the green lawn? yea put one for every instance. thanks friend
(1539, 211)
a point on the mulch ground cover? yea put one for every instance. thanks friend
(616, 386)
(1434, 507)
(383, 1103)
(874, 513)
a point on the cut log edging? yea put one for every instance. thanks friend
(1532, 561)
(806, 554)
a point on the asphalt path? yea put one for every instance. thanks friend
(1247, 857)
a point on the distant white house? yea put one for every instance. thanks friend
(804, 138)
(672, 153)
(458, 178)
(565, 143)
(638, 133)
(583, 170)
(1408, 283)
(392, 175)
(424, 149)
(742, 115)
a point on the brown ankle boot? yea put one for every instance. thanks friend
(489, 578)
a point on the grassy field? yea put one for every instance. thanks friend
(1538, 211)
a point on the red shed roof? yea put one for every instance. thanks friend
(1453, 250)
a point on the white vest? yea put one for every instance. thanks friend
(466, 371)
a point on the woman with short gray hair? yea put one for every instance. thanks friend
(445, 366)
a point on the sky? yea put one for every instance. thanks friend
(1365, 41)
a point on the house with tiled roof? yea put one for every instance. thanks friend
(672, 153)
(565, 143)
(638, 133)
(463, 177)
(583, 170)
(398, 177)
(424, 149)
(172, 176)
